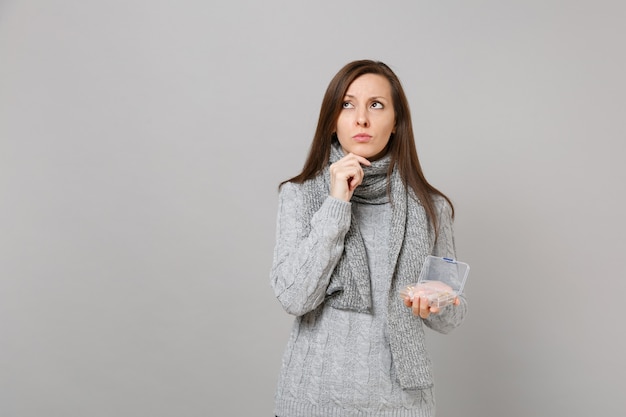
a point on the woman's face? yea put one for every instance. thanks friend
(367, 118)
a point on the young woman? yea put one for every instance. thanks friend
(353, 228)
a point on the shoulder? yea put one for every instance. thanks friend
(290, 191)
(313, 186)
(440, 202)
(442, 205)
(295, 188)
(289, 187)
(309, 192)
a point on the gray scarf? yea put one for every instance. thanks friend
(350, 287)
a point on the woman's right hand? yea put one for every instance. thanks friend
(345, 175)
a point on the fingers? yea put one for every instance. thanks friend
(408, 302)
(360, 159)
(420, 307)
(349, 168)
(345, 175)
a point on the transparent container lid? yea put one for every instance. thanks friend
(440, 281)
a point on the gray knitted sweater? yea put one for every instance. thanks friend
(338, 363)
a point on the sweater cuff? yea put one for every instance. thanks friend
(336, 212)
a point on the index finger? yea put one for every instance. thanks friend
(360, 159)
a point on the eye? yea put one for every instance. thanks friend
(377, 105)
(347, 105)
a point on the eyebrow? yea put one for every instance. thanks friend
(371, 98)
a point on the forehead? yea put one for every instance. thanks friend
(370, 85)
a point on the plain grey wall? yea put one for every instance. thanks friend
(141, 143)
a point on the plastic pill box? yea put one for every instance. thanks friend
(440, 281)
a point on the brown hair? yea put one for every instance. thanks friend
(401, 145)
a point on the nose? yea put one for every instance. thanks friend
(362, 119)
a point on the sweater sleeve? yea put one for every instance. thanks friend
(450, 316)
(303, 262)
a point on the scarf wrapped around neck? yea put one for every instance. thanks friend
(350, 285)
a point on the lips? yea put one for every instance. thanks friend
(362, 137)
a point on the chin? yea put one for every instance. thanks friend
(366, 150)
(373, 154)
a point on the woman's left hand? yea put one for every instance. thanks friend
(420, 306)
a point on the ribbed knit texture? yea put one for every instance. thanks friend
(349, 286)
(339, 362)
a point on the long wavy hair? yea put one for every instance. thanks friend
(401, 145)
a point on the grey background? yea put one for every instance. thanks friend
(141, 143)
